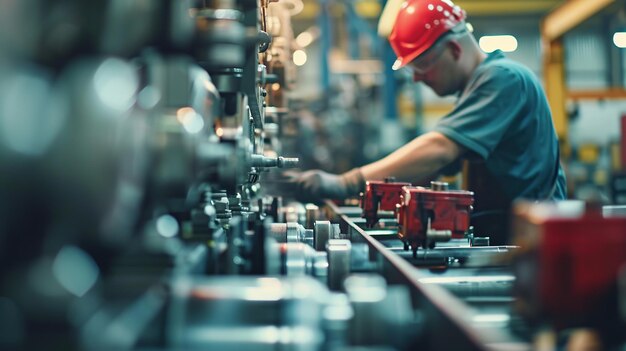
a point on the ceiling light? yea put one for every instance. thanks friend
(490, 43)
(619, 39)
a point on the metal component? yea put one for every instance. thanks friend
(280, 162)
(278, 231)
(272, 253)
(336, 232)
(319, 266)
(312, 215)
(308, 237)
(291, 232)
(322, 233)
(264, 41)
(474, 283)
(234, 204)
(435, 236)
(294, 212)
(439, 186)
(338, 262)
(222, 212)
(475, 256)
(238, 313)
(220, 38)
(295, 259)
(380, 197)
(379, 308)
(427, 216)
(301, 259)
(614, 211)
(295, 232)
(220, 14)
(276, 209)
(480, 241)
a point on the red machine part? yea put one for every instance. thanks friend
(567, 267)
(426, 216)
(380, 196)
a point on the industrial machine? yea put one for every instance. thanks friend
(140, 208)
(380, 198)
(427, 216)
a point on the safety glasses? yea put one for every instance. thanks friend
(425, 62)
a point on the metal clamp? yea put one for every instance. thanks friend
(338, 251)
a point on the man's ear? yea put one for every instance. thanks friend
(457, 49)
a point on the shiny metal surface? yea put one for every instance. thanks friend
(338, 251)
(446, 314)
(236, 313)
(323, 232)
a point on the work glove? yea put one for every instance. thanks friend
(316, 185)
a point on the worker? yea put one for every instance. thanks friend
(501, 125)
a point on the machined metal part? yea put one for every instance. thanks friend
(308, 237)
(380, 199)
(294, 212)
(614, 211)
(312, 213)
(296, 249)
(428, 216)
(379, 308)
(280, 162)
(295, 259)
(245, 313)
(220, 38)
(338, 262)
(439, 186)
(295, 232)
(278, 231)
(480, 241)
(290, 232)
(477, 283)
(336, 232)
(301, 259)
(475, 256)
(383, 234)
(437, 235)
(322, 231)
(273, 261)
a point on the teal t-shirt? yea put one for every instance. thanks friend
(503, 117)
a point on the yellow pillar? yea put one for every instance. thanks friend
(556, 91)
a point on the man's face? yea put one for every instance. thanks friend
(435, 68)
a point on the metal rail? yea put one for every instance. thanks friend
(449, 324)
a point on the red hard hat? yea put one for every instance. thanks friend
(418, 26)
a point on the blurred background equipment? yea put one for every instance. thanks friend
(143, 205)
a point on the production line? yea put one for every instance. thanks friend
(143, 207)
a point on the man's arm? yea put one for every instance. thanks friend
(421, 158)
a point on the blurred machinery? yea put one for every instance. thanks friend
(138, 209)
(570, 265)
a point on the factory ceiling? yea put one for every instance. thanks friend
(372, 8)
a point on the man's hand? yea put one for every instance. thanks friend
(316, 185)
